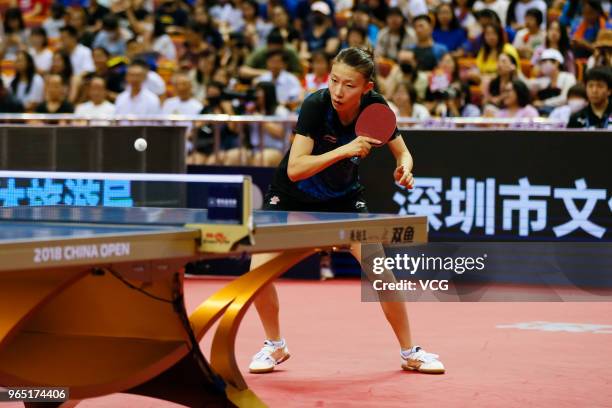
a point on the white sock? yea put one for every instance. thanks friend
(405, 353)
(278, 344)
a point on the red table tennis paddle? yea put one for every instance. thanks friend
(376, 121)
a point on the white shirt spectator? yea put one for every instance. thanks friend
(43, 59)
(500, 7)
(419, 111)
(521, 9)
(145, 103)
(524, 38)
(565, 81)
(36, 93)
(561, 114)
(176, 106)
(269, 141)
(288, 87)
(155, 83)
(165, 47)
(411, 8)
(81, 60)
(52, 27)
(104, 109)
(227, 14)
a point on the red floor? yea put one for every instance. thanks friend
(344, 354)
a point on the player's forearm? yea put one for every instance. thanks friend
(305, 166)
(405, 159)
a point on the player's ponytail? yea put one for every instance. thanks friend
(362, 60)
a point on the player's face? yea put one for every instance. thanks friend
(346, 85)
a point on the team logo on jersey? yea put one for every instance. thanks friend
(274, 200)
(330, 138)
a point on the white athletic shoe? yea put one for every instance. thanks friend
(422, 361)
(269, 356)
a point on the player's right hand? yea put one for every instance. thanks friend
(360, 146)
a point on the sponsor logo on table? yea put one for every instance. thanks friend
(402, 234)
(215, 238)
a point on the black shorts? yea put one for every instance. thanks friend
(277, 201)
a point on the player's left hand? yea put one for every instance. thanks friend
(403, 176)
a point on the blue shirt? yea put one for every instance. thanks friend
(452, 39)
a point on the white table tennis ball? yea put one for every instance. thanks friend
(140, 144)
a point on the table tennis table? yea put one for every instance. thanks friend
(91, 298)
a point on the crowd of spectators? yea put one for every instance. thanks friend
(434, 58)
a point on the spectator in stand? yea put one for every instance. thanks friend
(467, 20)
(153, 81)
(227, 17)
(283, 27)
(202, 151)
(427, 52)
(356, 37)
(208, 31)
(508, 70)
(552, 87)
(302, 15)
(317, 79)
(256, 62)
(172, 15)
(494, 44)
(486, 17)
(39, 50)
(404, 104)
(15, 34)
(136, 99)
(195, 43)
(602, 57)
(183, 103)
(161, 42)
(517, 10)
(8, 103)
(576, 101)
(394, 37)
(361, 18)
(34, 8)
(97, 104)
(80, 56)
(413, 8)
(321, 34)
(405, 71)
(289, 91)
(267, 140)
(516, 101)
(598, 113)
(255, 29)
(110, 37)
(500, 7)
(27, 86)
(202, 74)
(379, 10)
(113, 76)
(584, 32)
(95, 14)
(55, 22)
(532, 36)
(448, 31)
(557, 38)
(55, 98)
(77, 17)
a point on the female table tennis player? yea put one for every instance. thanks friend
(318, 174)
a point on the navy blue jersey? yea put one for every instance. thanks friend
(319, 121)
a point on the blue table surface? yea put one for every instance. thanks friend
(37, 223)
